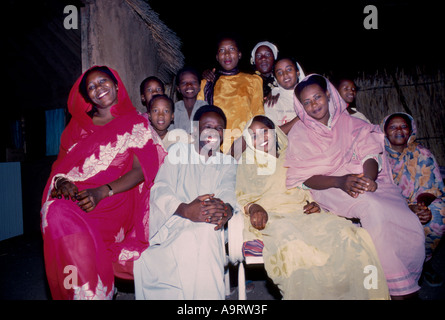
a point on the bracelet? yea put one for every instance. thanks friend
(56, 180)
(110, 193)
(246, 210)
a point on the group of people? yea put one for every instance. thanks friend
(146, 195)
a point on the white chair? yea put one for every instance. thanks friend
(235, 240)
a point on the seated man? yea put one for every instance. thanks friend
(191, 201)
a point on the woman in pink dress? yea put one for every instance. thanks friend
(340, 158)
(96, 202)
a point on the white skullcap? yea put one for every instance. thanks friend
(267, 44)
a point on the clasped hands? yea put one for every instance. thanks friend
(356, 184)
(206, 208)
(87, 199)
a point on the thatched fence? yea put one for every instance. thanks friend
(419, 92)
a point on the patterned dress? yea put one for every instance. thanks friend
(416, 171)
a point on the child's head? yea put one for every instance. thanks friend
(286, 72)
(149, 87)
(160, 111)
(314, 96)
(228, 52)
(188, 82)
(347, 89)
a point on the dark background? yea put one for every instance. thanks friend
(325, 37)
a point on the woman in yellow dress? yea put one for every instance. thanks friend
(238, 94)
(308, 253)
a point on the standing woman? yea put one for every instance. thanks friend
(238, 94)
(96, 202)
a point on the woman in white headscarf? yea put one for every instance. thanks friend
(263, 57)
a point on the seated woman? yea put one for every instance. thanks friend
(309, 254)
(96, 202)
(337, 157)
(416, 172)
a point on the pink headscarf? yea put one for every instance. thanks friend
(316, 149)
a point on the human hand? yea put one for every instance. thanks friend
(270, 100)
(90, 198)
(64, 188)
(312, 207)
(258, 216)
(216, 212)
(423, 212)
(209, 75)
(355, 184)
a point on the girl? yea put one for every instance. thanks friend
(337, 157)
(288, 73)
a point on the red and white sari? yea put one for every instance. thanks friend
(85, 251)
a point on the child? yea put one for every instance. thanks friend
(188, 85)
(161, 113)
(149, 87)
(288, 73)
(348, 91)
(238, 94)
(337, 157)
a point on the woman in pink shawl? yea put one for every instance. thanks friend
(96, 202)
(339, 158)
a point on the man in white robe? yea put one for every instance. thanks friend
(191, 200)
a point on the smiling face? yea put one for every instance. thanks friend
(101, 89)
(228, 54)
(189, 85)
(398, 132)
(211, 131)
(286, 74)
(315, 102)
(263, 137)
(347, 90)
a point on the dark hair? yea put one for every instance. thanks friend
(283, 57)
(337, 80)
(401, 115)
(268, 123)
(228, 36)
(83, 83)
(185, 70)
(146, 80)
(314, 79)
(264, 120)
(160, 96)
(210, 108)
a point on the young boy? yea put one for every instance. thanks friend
(188, 82)
(161, 111)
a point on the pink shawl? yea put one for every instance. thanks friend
(316, 149)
